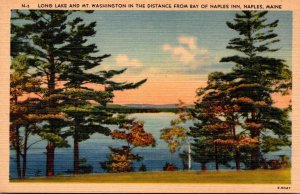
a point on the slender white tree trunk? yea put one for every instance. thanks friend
(189, 157)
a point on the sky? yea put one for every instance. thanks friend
(174, 50)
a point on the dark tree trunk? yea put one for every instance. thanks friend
(217, 165)
(50, 159)
(76, 155)
(18, 152)
(51, 87)
(203, 166)
(24, 166)
(255, 158)
(216, 157)
(237, 159)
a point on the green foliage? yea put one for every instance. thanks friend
(83, 167)
(22, 111)
(143, 168)
(243, 97)
(59, 54)
(256, 77)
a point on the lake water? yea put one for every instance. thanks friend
(96, 150)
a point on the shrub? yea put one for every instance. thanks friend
(170, 167)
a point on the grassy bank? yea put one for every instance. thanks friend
(243, 177)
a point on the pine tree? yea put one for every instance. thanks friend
(86, 105)
(214, 133)
(255, 77)
(64, 61)
(44, 33)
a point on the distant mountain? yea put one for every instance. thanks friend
(144, 108)
(151, 105)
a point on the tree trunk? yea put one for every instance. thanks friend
(18, 152)
(217, 165)
(216, 157)
(24, 166)
(189, 157)
(51, 87)
(255, 152)
(237, 159)
(203, 166)
(255, 157)
(237, 151)
(76, 155)
(50, 159)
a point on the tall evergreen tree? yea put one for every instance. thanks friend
(243, 97)
(255, 77)
(214, 133)
(58, 44)
(87, 118)
(43, 33)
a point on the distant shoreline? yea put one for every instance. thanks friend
(144, 108)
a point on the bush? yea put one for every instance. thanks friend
(274, 164)
(283, 162)
(170, 167)
(143, 168)
(85, 169)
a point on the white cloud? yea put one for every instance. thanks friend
(189, 41)
(184, 55)
(123, 60)
(188, 52)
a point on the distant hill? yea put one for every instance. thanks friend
(155, 106)
(143, 108)
(151, 105)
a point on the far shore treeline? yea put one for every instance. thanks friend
(53, 96)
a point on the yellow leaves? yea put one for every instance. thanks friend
(260, 103)
(121, 160)
(173, 146)
(59, 116)
(244, 87)
(249, 101)
(242, 142)
(244, 100)
(119, 134)
(219, 126)
(225, 142)
(119, 157)
(253, 125)
(141, 138)
(174, 137)
(248, 142)
(134, 134)
(123, 166)
(17, 109)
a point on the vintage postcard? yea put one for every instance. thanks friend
(150, 96)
